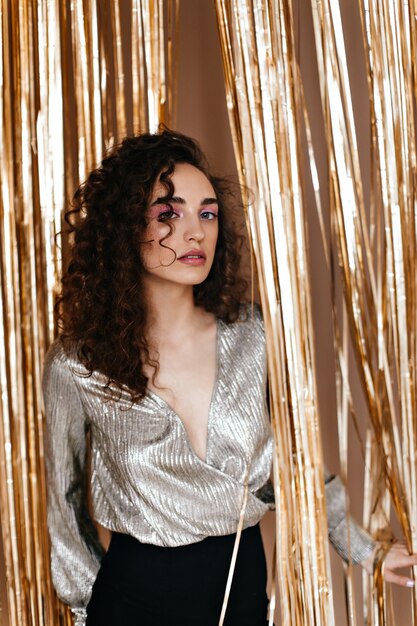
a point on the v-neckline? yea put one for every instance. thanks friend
(153, 394)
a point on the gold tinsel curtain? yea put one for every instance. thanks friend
(77, 76)
(74, 78)
(375, 247)
(263, 90)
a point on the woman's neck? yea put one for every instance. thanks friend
(172, 311)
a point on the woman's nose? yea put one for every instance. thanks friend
(194, 230)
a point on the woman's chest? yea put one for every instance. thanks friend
(186, 382)
(212, 408)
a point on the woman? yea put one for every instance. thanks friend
(163, 366)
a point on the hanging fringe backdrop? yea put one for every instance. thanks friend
(263, 92)
(74, 78)
(376, 250)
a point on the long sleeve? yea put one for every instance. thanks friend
(75, 549)
(348, 538)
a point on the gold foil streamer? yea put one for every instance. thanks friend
(154, 49)
(73, 80)
(263, 96)
(172, 30)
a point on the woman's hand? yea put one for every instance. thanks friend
(396, 558)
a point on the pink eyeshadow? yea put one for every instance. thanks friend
(157, 210)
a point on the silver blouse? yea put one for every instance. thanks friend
(146, 479)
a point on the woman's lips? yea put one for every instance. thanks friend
(193, 257)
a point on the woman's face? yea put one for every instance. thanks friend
(186, 254)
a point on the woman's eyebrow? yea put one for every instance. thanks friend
(204, 201)
(209, 201)
(161, 200)
(179, 200)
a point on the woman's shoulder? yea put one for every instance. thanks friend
(249, 324)
(250, 313)
(61, 351)
(62, 358)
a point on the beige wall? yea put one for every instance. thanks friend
(201, 101)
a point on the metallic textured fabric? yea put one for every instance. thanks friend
(350, 540)
(146, 479)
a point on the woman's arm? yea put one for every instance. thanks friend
(358, 543)
(75, 549)
(349, 539)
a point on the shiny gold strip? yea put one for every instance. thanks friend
(343, 398)
(105, 68)
(161, 85)
(379, 612)
(155, 61)
(273, 591)
(149, 41)
(140, 112)
(94, 82)
(18, 338)
(65, 72)
(265, 116)
(82, 101)
(7, 501)
(119, 70)
(172, 30)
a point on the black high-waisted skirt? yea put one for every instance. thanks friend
(145, 585)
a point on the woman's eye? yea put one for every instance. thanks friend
(166, 214)
(208, 215)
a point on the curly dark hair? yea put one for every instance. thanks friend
(102, 307)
